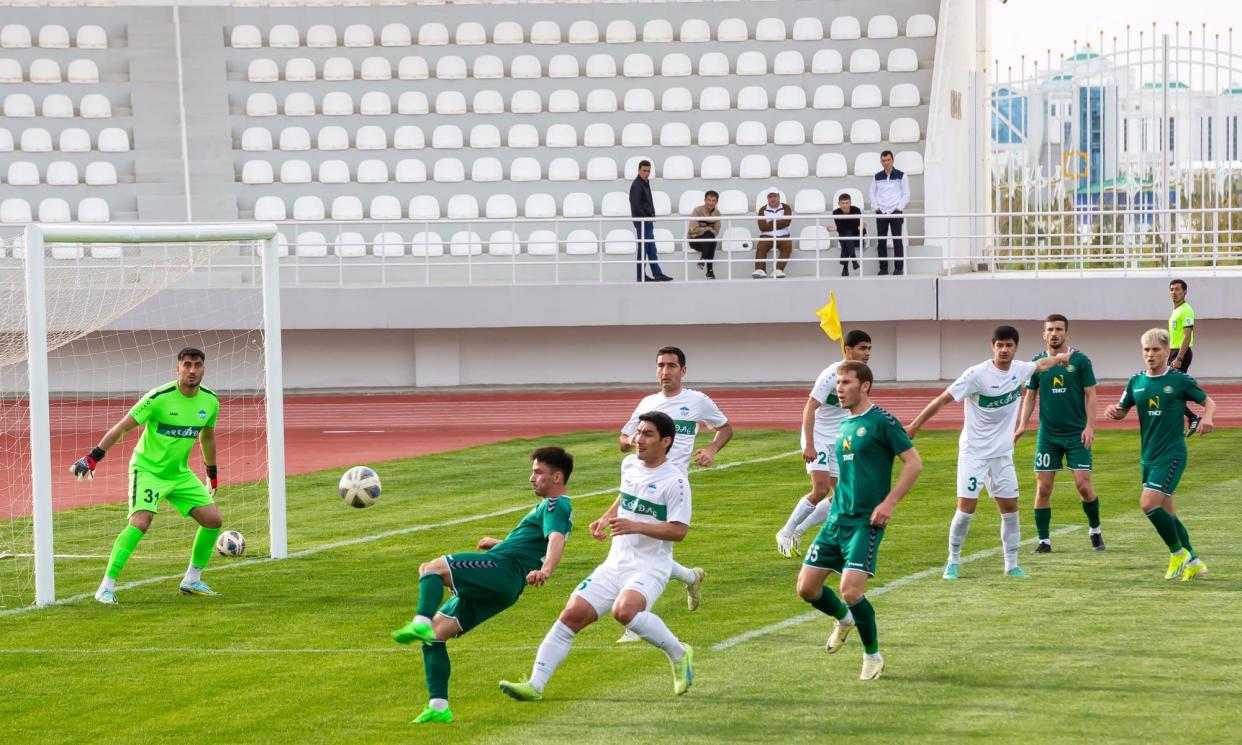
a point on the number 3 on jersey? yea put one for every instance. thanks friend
(974, 485)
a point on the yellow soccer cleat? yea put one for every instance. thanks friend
(1177, 563)
(1198, 569)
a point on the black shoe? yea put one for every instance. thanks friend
(662, 278)
(700, 265)
(1043, 548)
(855, 265)
(1193, 425)
(1097, 541)
(883, 272)
(898, 272)
(845, 271)
(647, 279)
(711, 274)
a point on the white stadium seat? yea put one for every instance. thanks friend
(388, 244)
(413, 103)
(561, 135)
(54, 36)
(601, 101)
(395, 35)
(488, 102)
(715, 134)
(733, 202)
(865, 131)
(465, 243)
(714, 98)
(330, 172)
(736, 239)
(17, 211)
(809, 202)
(447, 137)
(882, 27)
(525, 67)
(601, 66)
(488, 67)
(23, 173)
(349, 245)
(752, 98)
(371, 137)
(526, 102)
(410, 171)
(300, 70)
(902, 59)
(619, 242)
(44, 71)
(581, 242)
(311, 244)
(36, 140)
(501, 206)
(485, 136)
(451, 67)
(828, 132)
(470, 33)
(62, 173)
(113, 140)
(14, 36)
(282, 36)
(845, 28)
(788, 62)
(751, 134)
(510, 32)
(542, 243)
(549, 32)
(373, 171)
(904, 95)
(375, 103)
(732, 29)
(826, 62)
(677, 168)
(909, 161)
(86, 71)
(580, 32)
(639, 66)
(375, 68)
(563, 169)
(578, 204)
(639, 99)
(525, 169)
(789, 133)
(257, 172)
(486, 170)
(563, 66)
(338, 68)
(903, 129)
(503, 243)
(427, 244)
(433, 35)
(663, 203)
(54, 210)
(808, 29)
(74, 140)
(920, 25)
(813, 237)
(694, 31)
(336, 103)
(6, 141)
(599, 134)
(10, 71)
(636, 134)
(60, 106)
(296, 104)
(792, 165)
(672, 134)
(690, 198)
(564, 101)
(244, 36)
(384, 207)
(450, 102)
(715, 168)
(448, 171)
(269, 208)
(865, 97)
(93, 209)
(615, 204)
(620, 32)
(358, 35)
(828, 97)
(413, 67)
(676, 99)
(657, 31)
(424, 207)
(321, 36)
(346, 207)
(755, 166)
(714, 64)
(752, 63)
(332, 137)
(539, 206)
(522, 135)
(864, 60)
(93, 37)
(866, 164)
(790, 98)
(676, 65)
(462, 207)
(299, 172)
(770, 29)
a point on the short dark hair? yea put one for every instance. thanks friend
(558, 459)
(860, 370)
(711, 193)
(681, 356)
(889, 153)
(663, 424)
(844, 195)
(191, 352)
(1005, 333)
(1053, 317)
(1181, 282)
(642, 163)
(856, 337)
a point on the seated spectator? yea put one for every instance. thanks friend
(704, 231)
(773, 233)
(849, 231)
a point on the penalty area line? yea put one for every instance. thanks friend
(895, 584)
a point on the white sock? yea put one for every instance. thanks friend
(1011, 536)
(872, 655)
(109, 583)
(958, 529)
(1194, 562)
(1093, 531)
(552, 652)
(818, 516)
(653, 631)
(192, 575)
(800, 512)
(849, 617)
(423, 620)
(439, 704)
(682, 574)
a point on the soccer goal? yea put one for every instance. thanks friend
(91, 318)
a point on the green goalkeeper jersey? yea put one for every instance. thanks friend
(1161, 404)
(866, 446)
(173, 423)
(527, 544)
(1062, 395)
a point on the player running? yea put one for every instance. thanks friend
(652, 511)
(821, 416)
(849, 542)
(176, 415)
(485, 583)
(992, 391)
(1160, 394)
(688, 409)
(1067, 399)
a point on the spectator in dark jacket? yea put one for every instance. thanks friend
(642, 209)
(849, 232)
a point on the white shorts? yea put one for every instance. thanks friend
(825, 453)
(997, 475)
(606, 583)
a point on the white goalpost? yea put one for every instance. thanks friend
(103, 305)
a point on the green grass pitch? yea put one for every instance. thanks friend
(1092, 647)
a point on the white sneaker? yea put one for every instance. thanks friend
(840, 632)
(107, 597)
(629, 636)
(694, 590)
(789, 544)
(778, 274)
(758, 274)
(872, 667)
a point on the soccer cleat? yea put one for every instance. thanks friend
(840, 632)
(1043, 547)
(1194, 570)
(522, 691)
(872, 667)
(414, 632)
(789, 544)
(950, 571)
(1177, 563)
(1016, 572)
(1097, 541)
(108, 597)
(683, 671)
(435, 716)
(694, 590)
(628, 637)
(1193, 424)
(758, 274)
(197, 588)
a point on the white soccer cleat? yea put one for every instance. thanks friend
(840, 632)
(789, 544)
(871, 667)
(694, 590)
(629, 637)
(107, 597)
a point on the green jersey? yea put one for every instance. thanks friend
(1181, 320)
(866, 446)
(1062, 395)
(173, 423)
(527, 544)
(1161, 403)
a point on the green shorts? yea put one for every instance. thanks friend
(840, 547)
(1163, 475)
(1055, 453)
(483, 585)
(146, 490)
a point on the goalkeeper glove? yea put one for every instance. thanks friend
(84, 467)
(213, 480)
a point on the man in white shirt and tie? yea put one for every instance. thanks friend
(890, 193)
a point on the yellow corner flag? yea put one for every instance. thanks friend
(830, 321)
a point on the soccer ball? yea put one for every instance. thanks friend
(231, 543)
(360, 487)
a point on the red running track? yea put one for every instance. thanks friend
(339, 431)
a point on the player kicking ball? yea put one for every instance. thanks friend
(485, 583)
(992, 391)
(652, 511)
(821, 417)
(1160, 394)
(849, 542)
(175, 415)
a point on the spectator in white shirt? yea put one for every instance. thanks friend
(890, 193)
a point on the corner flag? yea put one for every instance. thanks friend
(830, 321)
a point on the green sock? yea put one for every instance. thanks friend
(829, 603)
(430, 595)
(864, 619)
(1043, 521)
(1092, 510)
(1167, 528)
(437, 668)
(1184, 537)
(204, 543)
(122, 547)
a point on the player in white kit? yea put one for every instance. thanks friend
(821, 418)
(651, 512)
(992, 392)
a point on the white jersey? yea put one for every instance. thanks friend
(992, 399)
(829, 415)
(687, 409)
(649, 495)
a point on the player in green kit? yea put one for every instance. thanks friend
(848, 543)
(1160, 394)
(176, 415)
(489, 581)
(1067, 402)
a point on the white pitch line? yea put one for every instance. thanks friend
(279, 651)
(377, 536)
(899, 582)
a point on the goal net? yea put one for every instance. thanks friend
(91, 318)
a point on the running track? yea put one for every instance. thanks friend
(339, 431)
